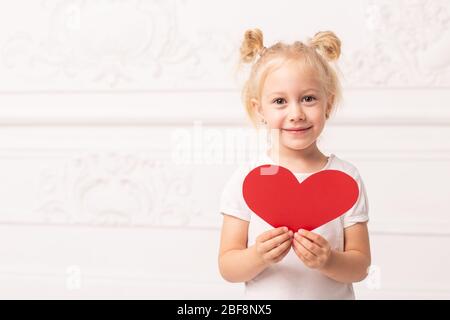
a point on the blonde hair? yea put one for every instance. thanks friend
(317, 53)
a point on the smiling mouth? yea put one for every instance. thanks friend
(297, 130)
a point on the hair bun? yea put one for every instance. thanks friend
(327, 44)
(252, 45)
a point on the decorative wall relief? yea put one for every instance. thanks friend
(114, 45)
(407, 44)
(112, 189)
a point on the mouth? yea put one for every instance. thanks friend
(297, 131)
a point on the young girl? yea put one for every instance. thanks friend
(292, 89)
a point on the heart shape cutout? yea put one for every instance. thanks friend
(274, 194)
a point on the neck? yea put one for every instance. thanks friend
(308, 157)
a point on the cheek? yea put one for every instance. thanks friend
(317, 115)
(275, 119)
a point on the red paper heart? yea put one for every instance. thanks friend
(279, 199)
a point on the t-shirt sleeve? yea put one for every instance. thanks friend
(231, 200)
(360, 210)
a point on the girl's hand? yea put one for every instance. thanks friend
(313, 249)
(273, 245)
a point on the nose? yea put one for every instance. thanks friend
(296, 113)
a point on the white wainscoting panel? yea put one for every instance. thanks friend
(120, 122)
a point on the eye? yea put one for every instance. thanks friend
(279, 101)
(309, 99)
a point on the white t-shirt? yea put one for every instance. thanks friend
(290, 278)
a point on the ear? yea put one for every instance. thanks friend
(257, 108)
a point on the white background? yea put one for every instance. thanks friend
(97, 98)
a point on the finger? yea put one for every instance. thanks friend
(308, 255)
(278, 240)
(314, 237)
(276, 252)
(283, 254)
(272, 233)
(298, 253)
(309, 245)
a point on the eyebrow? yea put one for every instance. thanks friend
(281, 93)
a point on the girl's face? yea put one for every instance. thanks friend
(293, 102)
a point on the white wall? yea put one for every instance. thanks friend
(96, 96)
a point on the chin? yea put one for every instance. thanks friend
(297, 146)
(301, 143)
